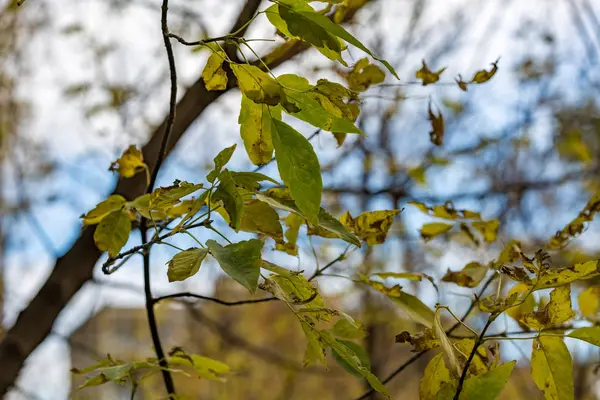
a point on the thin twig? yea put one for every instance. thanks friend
(213, 299)
(473, 352)
(160, 355)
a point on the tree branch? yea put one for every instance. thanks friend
(76, 266)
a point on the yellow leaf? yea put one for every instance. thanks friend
(213, 75)
(428, 76)
(483, 75)
(259, 217)
(293, 222)
(571, 146)
(590, 334)
(256, 125)
(445, 211)
(435, 376)
(364, 75)
(257, 85)
(130, 163)
(527, 306)
(488, 229)
(417, 174)
(425, 340)
(558, 277)
(478, 365)
(589, 302)
(371, 226)
(552, 368)
(470, 276)
(447, 346)
(461, 84)
(433, 229)
(557, 311)
(112, 232)
(112, 203)
(436, 136)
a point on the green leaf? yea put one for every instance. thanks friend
(347, 329)
(232, 199)
(220, 161)
(353, 361)
(552, 368)
(257, 85)
(293, 288)
(259, 217)
(487, 385)
(298, 91)
(256, 124)
(213, 74)
(326, 220)
(588, 334)
(293, 27)
(313, 18)
(447, 347)
(363, 357)
(299, 168)
(240, 260)
(185, 264)
(113, 203)
(410, 304)
(206, 368)
(250, 180)
(112, 232)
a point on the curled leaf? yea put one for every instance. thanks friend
(427, 76)
(130, 163)
(213, 74)
(371, 226)
(436, 136)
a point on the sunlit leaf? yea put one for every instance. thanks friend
(563, 276)
(588, 334)
(213, 74)
(299, 168)
(370, 226)
(432, 229)
(166, 197)
(256, 124)
(557, 311)
(488, 229)
(206, 368)
(112, 232)
(552, 368)
(336, 30)
(483, 76)
(294, 26)
(446, 345)
(427, 76)
(435, 376)
(239, 260)
(488, 385)
(257, 85)
(220, 161)
(363, 75)
(309, 109)
(470, 276)
(527, 305)
(185, 264)
(130, 163)
(589, 302)
(411, 305)
(114, 202)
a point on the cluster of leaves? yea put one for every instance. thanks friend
(470, 368)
